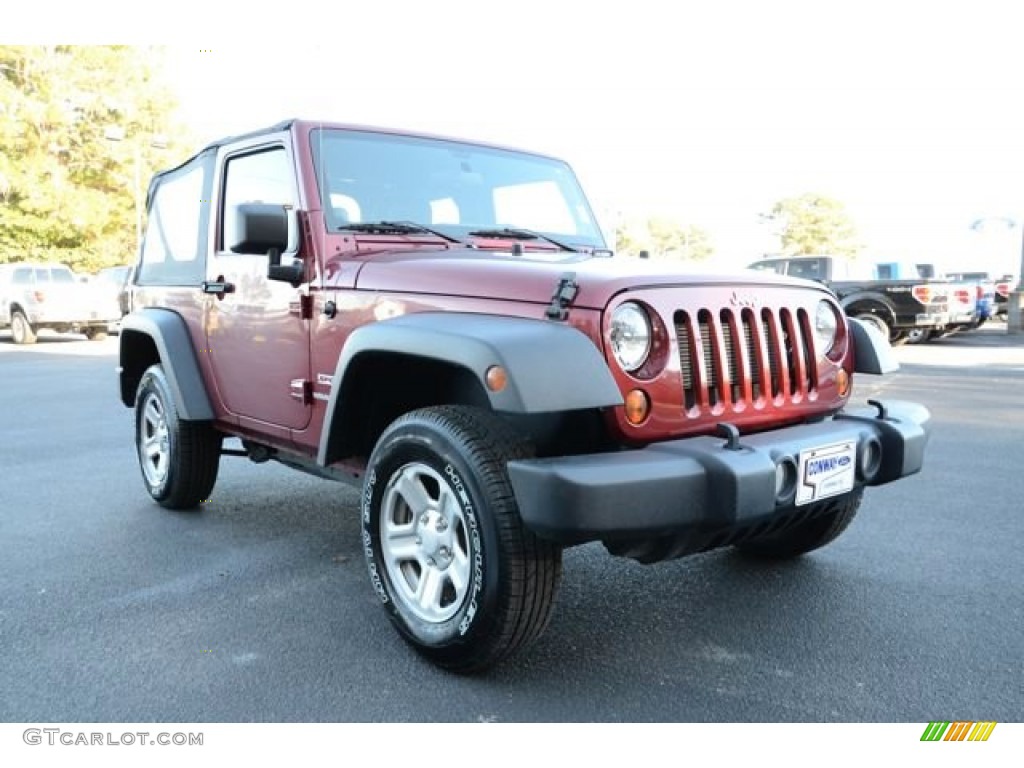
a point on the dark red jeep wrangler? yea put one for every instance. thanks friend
(440, 321)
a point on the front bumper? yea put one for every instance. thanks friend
(700, 484)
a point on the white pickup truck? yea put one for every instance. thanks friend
(35, 295)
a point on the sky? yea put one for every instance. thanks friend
(908, 113)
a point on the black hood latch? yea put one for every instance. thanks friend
(561, 299)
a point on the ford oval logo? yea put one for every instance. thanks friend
(743, 299)
(844, 460)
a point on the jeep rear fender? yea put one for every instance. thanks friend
(550, 367)
(166, 333)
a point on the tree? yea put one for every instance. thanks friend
(631, 237)
(813, 223)
(67, 193)
(663, 238)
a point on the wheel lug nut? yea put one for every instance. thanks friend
(442, 524)
(424, 519)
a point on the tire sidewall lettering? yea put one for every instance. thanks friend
(369, 487)
(444, 459)
(476, 542)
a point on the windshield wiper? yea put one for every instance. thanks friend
(399, 228)
(522, 234)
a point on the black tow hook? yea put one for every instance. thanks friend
(731, 435)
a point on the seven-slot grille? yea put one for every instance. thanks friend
(741, 357)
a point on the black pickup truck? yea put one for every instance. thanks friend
(901, 309)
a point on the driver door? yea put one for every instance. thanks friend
(257, 339)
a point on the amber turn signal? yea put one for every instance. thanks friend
(638, 406)
(496, 378)
(843, 382)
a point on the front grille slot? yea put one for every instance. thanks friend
(772, 335)
(712, 357)
(688, 361)
(737, 359)
(750, 344)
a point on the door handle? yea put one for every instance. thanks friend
(218, 287)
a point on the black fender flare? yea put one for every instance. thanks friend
(551, 367)
(872, 353)
(870, 297)
(169, 334)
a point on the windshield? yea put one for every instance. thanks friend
(454, 187)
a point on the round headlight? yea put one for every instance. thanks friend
(630, 336)
(826, 327)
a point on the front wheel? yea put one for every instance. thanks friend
(179, 459)
(808, 535)
(463, 581)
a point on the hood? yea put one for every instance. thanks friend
(533, 276)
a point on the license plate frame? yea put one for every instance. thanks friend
(825, 471)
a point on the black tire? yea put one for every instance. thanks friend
(451, 461)
(95, 334)
(179, 459)
(923, 335)
(809, 535)
(876, 322)
(898, 339)
(21, 328)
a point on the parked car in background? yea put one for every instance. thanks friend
(114, 276)
(34, 296)
(961, 307)
(985, 291)
(1003, 288)
(964, 296)
(111, 284)
(902, 310)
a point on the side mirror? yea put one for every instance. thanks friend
(272, 230)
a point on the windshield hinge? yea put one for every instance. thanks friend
(562, 298)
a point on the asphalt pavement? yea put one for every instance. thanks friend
(259, 608)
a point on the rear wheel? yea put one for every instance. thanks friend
(179, 459)
(921, 335)
(21, 328)
(808, 535)
(463, 581)
(95, 334)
